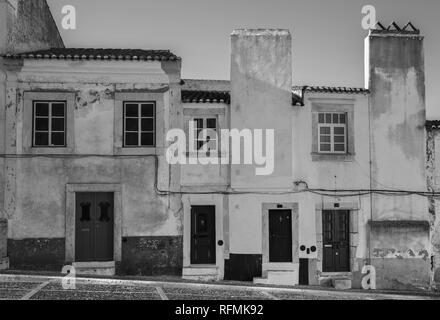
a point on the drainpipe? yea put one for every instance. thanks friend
(370, 182)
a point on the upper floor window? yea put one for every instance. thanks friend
(139, 124)
(332, 132)
(209, 139)
(49, 125)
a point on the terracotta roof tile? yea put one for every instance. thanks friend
(96, 54)
(328, 89)
(199, 96)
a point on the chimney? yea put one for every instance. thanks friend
(261, 98)
(395, 75)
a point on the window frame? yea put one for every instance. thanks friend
(332, 134)
(28, 121)
(49, 117)
(159, 97)
(139, 117)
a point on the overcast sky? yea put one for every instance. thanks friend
(327, 34)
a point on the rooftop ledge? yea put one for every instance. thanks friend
(260, 32)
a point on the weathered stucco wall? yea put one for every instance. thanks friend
(397, 84)
(433, 182)
(36, 183)
(395, 76)
(27, 25)
(261, 82)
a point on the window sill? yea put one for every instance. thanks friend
(48, 150)
(137, 151)
(336, 157)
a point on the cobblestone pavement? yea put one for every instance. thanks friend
(50, 288)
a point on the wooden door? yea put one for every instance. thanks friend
(94, 227)
(280, 236)
(203, 235)
(336, 251)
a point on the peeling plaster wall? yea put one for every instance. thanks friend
(24, 26)
(36, 184)
(397, 84)
(27, 25)
(200, 175)
(396, 79)
(261, 82)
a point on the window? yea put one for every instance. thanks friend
(332, 132)
(139, 124)
(210, 139)
(49, 125)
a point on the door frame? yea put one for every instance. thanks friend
(289, 213)
(334, 220)
(272, 266)
(71, 189)
(353, 208)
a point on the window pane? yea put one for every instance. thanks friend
(147, 139)
(41, 138)
(131, 110)
(211, 123)
(342, 118)
(58, 109)
(41, 109)
(335, 118)
(321, 118)
(58, 124)
(340, 139)
(131, 124)
(325, 147)
(324, 130)
(199, 123)
(42, 124)
(200, 144)
(328, 118)
(148, 110)
(339, 130)
(325, 139)
(131, 139)
(339, 147)
(147, 124)
(58, 139)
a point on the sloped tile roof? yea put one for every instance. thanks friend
(432, 124)
(214, 91)
(394, 27)
(97, 54)
(201, 96)
(328, 89)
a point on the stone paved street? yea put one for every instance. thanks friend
(50, 288)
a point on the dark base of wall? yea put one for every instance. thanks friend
(243, 267)
(151, 256)
(402, 274)
(36, 254)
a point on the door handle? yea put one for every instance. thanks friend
(328, 246)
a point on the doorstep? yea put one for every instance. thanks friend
(201, 273)
(95, 268)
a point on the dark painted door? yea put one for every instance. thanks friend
(203, 235)
(94, 227)
(280, 236)
(335, 228)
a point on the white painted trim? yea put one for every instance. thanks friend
(71, 189)
(276, 266)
